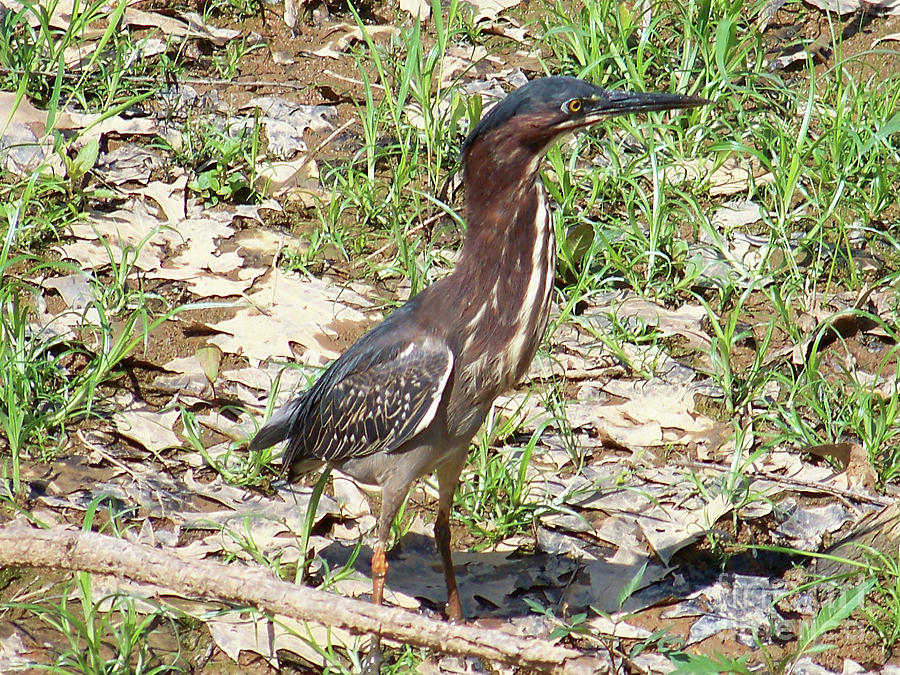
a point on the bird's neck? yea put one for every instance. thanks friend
(505, 271)
(503, 195)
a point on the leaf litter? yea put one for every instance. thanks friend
(623, 512)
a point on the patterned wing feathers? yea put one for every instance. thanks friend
(372, 404)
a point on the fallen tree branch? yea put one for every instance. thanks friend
(87, 551)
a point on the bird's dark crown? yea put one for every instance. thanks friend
(543, 96)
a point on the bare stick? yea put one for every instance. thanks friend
(91, 552)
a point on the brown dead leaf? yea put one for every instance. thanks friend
(169, 196)
(345, 34)
(489, 10)
(731, 177)
(210, 358)
(893, 37)
(192, 25)
(653, 413)
(129, 163)
(859, 474)
(604, 625)
(60, 17)
(840, 452)
(94, 125)
(509, 28)
(418, 9)
(669, 530)
(291, 308)
(838, 318)
(467, 61)
(877, 530)
(149, 428)
(124, 230)
(22, 113)
(201, 264)
(608, 577)
(299, 176)
(78, 296)
(791, 466)
(259, 634)
(263, 379)
(198, 27)
(737, 214)
(805, 527)
(845, 7)
(25, 145)
(683, 322)
(286, 121)
(352, 501)
(191, 385)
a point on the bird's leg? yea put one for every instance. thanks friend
(448, 479)
(442, 538)
(391, 499)
(379, 572)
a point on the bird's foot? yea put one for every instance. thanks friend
(453, 608)
(375, 658)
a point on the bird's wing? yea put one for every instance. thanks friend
(373, 399)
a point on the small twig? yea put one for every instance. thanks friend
(337, 76)
(806, 486)
(328, 139)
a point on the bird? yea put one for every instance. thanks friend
(408, 397)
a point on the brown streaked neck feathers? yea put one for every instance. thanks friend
(500, 172)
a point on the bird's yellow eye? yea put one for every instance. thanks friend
(574, 106)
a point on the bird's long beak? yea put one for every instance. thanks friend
(613, 103)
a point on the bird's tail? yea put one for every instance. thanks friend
(278, 428)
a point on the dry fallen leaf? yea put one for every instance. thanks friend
(60, 17)
(346, 34)
(418, 9)
(308, 311)
(129, 163)
(132, 230)
(736, 214)
(253, 632)
(653, 413)
(25, 145)
(804, 528)
(150, 428)
(685, 321)
(730, 178)
(844, 7)
(299, 177)
(192, 25)
(488, 10)
(893, 37)
(210, 358)
(667, 531)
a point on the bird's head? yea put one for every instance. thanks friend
(532, 117)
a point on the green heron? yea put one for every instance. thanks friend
(408, 397)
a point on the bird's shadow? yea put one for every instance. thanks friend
(490, 583)
(508, 585)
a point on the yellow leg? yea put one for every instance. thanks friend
(379, 572)
(390, 504)
(442, 539)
